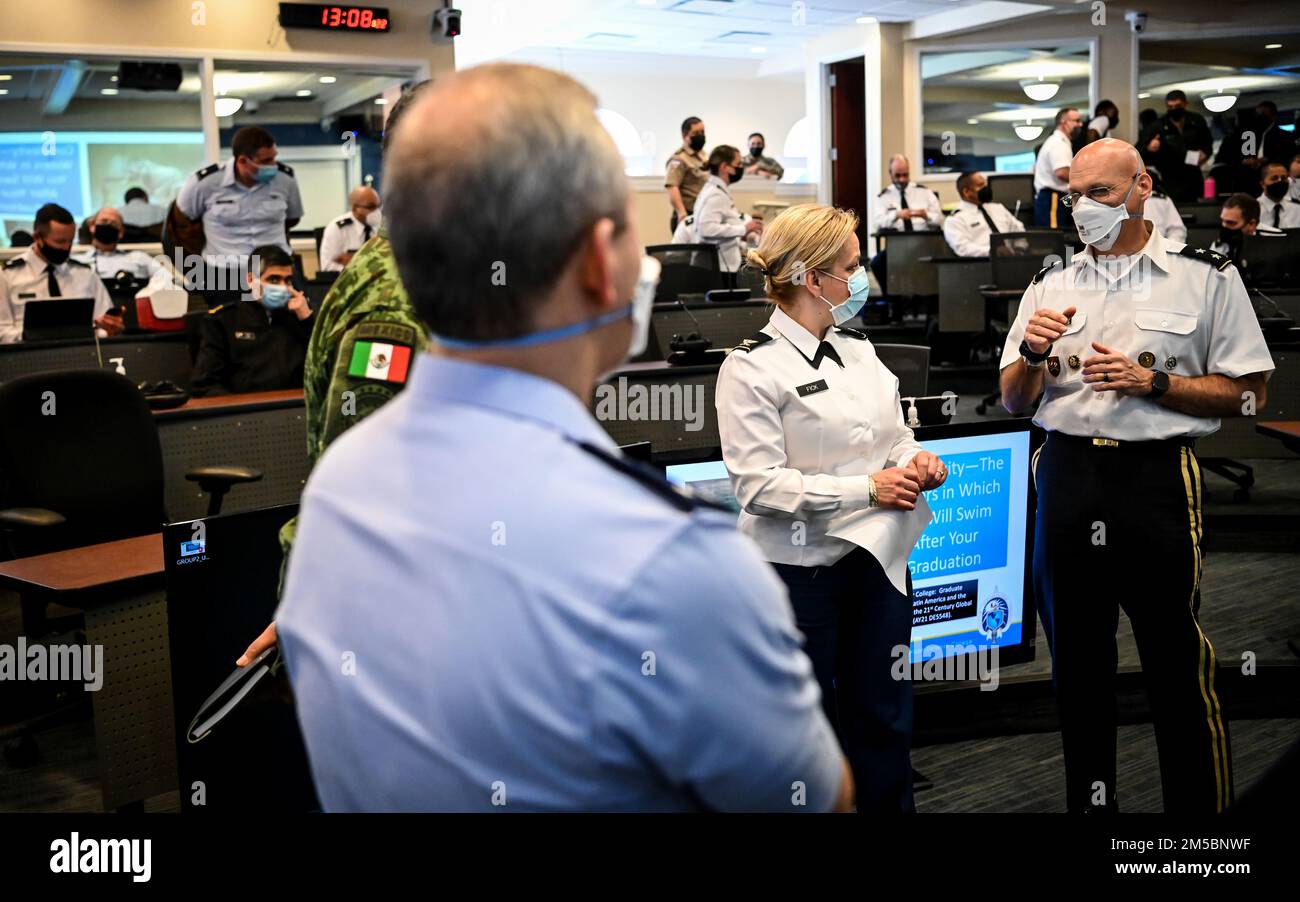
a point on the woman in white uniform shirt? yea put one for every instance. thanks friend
(717, 221)
(814, 438)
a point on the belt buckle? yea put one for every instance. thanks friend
(1105, 443)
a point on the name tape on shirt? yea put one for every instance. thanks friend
(812, 388)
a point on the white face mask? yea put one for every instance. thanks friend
(375, 218)
(1099, 224)
(643, 302)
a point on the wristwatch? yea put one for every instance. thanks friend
(1032, 359)
(1159, 384)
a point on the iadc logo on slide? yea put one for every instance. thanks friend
(103, 856)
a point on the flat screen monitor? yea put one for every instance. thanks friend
(56, 319)
(970, 569)
(223, 577)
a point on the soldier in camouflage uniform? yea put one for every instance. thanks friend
(342, 384)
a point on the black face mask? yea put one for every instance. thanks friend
(106, 233)
(1177, 114)
(697, 142)
(756, 150)
(901, 186)
(985, 194)
(1229, 236)
(55, 255)
(737, 176)
(1277, 190)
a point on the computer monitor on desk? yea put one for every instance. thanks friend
(1016, 257)
(970, 569)
(223, 576)
(1270, 260)
(670, 407)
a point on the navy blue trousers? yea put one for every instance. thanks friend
(852, 618)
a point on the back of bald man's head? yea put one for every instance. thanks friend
(494, 179)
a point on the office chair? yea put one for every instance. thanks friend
(318, 234)
(686, 269)
(81, 464)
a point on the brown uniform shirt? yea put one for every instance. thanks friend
(686, 171)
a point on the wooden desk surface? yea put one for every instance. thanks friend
(1286, 430)
(217, 404)
(93, 567)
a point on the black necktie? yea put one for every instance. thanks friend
(902, 205)
(1277, 216)
(989, 219)
(365, 235)
(825, 350)
(52, 283)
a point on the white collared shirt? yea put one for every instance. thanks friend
(1191, 314)
(107, 264)
(1288, 216)
(968, 233)
(1161, 212)
(717, 221)
(1056, 153)
(800, 441)
(889, 202)
(23, 280)
(341, 235)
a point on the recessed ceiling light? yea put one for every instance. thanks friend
(4, 90)
(1272, 46)
(381, 100)
(758, 50)
(972, 122)
(327, 79)
(304, 93)
(108, 91)
(6, 77)
(865, 20)
(112, 78)
(1144, 95)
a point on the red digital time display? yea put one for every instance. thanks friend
(334, 18)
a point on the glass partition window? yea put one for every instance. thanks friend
(990, 109)
(81, 132)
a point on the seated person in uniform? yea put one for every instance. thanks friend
(344, 237)
(258, 344)
(109, 262)
(977, 217)
(1239, 217)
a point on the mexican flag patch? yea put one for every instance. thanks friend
(378, 360)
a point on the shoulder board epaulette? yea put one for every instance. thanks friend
(753, 341)
(851, 333)
(883, 190)
(218, 308)
(72, 261)
(1214, 258)
(680, 498)
(1038, 276)
(287, 170)
(1158, 194)
(208, 170)
(15, 262)
(1293, 200)
(343, 223)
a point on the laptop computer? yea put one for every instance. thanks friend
(55, 319)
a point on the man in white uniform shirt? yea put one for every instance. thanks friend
(1138, 347)
(44, 271)
(977, 217)
(1052, 172)
(1276, 208)
(108, 261)
(344, 237)
(905, 207)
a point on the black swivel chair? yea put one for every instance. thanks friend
(686, 269)
(81, 464)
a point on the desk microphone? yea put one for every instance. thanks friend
(691, 347)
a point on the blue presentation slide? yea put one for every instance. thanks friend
(83, 171)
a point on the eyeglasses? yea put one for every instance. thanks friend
(1098, 194)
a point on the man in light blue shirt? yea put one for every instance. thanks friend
(248, 201)
(487, 607)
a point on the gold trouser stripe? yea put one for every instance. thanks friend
(1056, 198)
(1206, 670)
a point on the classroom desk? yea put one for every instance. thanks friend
(1285, 431)
(121, 587)
(265, 430)
(156, 357)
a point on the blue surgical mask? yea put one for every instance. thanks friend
(266, 173)
(275, 297)
(859, 289)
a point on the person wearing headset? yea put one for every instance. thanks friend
(829, 476)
